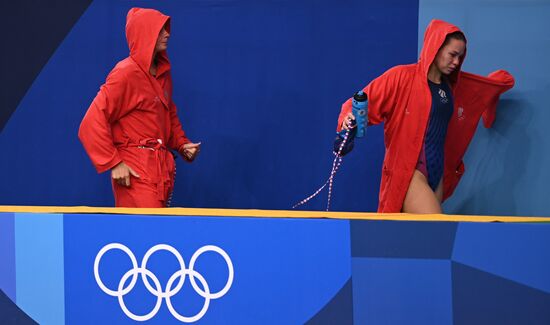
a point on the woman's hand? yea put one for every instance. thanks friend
(347, 123)
(190, 151)
(121, 174)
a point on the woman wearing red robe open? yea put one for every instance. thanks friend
(430, 111)
(132, 123)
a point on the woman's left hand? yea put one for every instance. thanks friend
(190, 151)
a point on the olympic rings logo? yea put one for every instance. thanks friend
(169, 291)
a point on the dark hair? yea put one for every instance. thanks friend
(455, 35)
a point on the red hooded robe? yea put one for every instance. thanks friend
(401, 99)
(133, 118)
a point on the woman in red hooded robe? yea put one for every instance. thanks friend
(132, 123)
(430, 111)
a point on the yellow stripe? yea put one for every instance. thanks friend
(273, 214)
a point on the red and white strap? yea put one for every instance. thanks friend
(335, 166)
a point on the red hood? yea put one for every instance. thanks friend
(142, 30)
(435, 35)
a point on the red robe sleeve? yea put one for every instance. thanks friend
(381, 93)
(476, 97)
(504, 81)
(109, 105)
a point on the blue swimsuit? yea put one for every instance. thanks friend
(430, 162)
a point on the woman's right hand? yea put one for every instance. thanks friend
(121, 174)
(347, 123)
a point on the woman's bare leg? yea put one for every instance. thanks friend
(420, 198)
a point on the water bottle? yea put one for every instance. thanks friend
(358, 126)
(359, 109)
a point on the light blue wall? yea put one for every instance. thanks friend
(39, 267)
(506, 166)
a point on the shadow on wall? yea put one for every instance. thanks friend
(497, 160)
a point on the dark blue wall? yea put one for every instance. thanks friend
(260, 83)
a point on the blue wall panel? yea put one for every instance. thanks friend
(483, 298)
(7, 254)
(497, 249)
(39, 266)
(402, 291)
(285, 270)
(402, 239)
